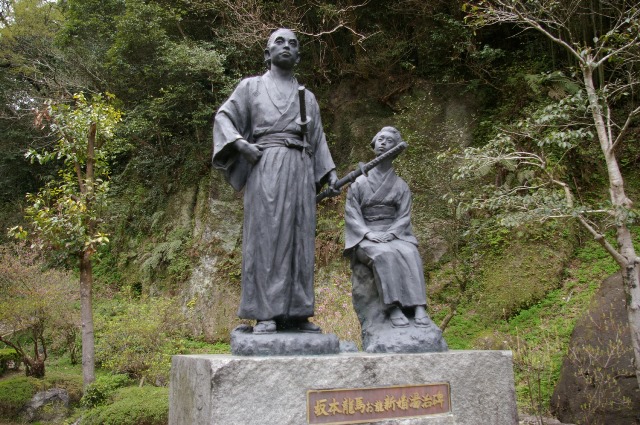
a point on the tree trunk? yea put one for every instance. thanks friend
(631, 280)
(88, 344)
(628, 259)
(34, 367)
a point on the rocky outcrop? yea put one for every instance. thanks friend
(378, 336)
(47, 406)
(211, 296)
(597, 383)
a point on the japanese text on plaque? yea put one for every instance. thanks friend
(345, 406)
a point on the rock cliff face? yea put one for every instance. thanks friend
(211, 294)
(597, 383)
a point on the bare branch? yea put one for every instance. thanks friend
(361, 37)
(616, 52)
(625, 128)
(508, 12)
(599, 237)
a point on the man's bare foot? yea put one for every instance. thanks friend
(265, 327)
(398, 319)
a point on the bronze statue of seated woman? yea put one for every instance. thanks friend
(378, 235)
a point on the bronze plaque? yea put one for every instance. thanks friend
(358, 405)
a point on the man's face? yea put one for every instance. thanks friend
(283, 49)
(384, 142)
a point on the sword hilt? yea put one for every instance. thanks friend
(302, 121)
(363, 169)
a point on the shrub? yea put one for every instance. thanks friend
(104, 386)
(15, 393)
(8, 356)
(70, 381)
(132, 406)
(35, 303)
(140, 338)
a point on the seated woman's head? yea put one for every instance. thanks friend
(385, 139)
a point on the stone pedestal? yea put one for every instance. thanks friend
(232, 390)
(287, 343)
(378, 335)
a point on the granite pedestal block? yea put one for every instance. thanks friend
(233, 390)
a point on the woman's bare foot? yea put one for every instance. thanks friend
(421, 317)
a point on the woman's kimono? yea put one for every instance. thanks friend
(381, 202)
(278, 245)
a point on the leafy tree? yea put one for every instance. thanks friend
(66, 214)
(34, 303)
(598, 103)
(30, 70)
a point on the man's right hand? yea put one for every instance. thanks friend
(251, 153)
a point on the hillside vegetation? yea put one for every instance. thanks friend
(508, 266)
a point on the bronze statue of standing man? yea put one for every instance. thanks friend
(261, 148)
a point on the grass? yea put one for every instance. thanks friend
(16, 390)
(539, 334)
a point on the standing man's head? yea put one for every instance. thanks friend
(283, 50)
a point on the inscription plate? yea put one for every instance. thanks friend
(358, 405)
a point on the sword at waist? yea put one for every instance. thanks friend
(284, 140)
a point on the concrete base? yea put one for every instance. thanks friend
(230, 390)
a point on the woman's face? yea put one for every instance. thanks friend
(283, 49)
(385, 140)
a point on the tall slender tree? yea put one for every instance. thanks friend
(66, 214)
(607, 57)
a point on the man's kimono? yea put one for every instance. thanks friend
(381, 202)
(278, 245)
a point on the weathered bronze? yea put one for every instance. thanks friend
(379, 235)
(362, 169)
(262, 145)
(389, 293)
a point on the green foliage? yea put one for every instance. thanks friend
(36, 303)
(65, 214)
(8, 355)
(526, 165)
(139, 338)
(522, 274)
(132, 406)
(101, 390)
(464, 329)
(538, 334)
(15, 393)
(169, 260)
(69, 380)
(189, 346)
